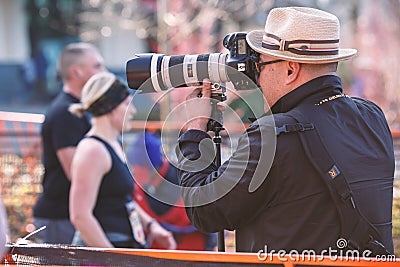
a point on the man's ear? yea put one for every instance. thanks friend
(293, 69)
(75, 72)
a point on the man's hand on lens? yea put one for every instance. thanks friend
(198, 107)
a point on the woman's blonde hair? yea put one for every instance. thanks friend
(93, 89)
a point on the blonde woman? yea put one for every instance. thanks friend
(101, 206)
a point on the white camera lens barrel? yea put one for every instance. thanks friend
(222, 71)
(213, 68)
(217, 68)
(185, 70)
(190, 70)
(158, 72)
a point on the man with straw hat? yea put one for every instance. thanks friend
(297, 203)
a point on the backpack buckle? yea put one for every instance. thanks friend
(290, 128)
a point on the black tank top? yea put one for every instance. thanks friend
(114, 193)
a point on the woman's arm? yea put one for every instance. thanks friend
(155, 231)
(90, 163)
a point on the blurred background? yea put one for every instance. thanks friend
(33, 33)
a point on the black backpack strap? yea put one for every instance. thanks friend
(355, 228)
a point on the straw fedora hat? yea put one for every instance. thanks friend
(300, 34)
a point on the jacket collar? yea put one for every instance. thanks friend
(315, 89)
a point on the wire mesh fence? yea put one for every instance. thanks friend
(21, 172)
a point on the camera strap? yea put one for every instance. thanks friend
(360, 234)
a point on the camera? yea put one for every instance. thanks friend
(158, 72)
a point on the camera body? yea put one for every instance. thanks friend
(157, 72)
(241, 59)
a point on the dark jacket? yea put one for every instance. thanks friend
(268, 190)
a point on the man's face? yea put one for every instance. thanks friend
(91, 64)
(270, 79)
